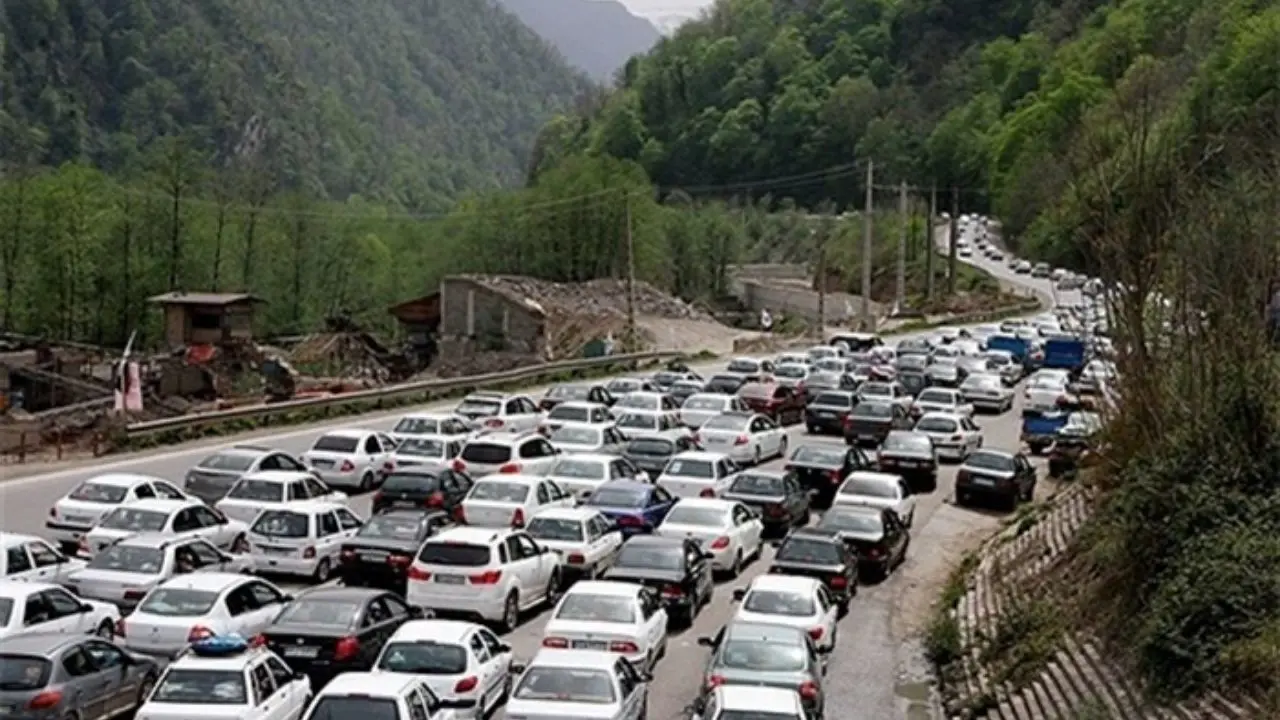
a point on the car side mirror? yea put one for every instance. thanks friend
(708, 556)
(86, 608)
(825, 650)
(646, 677)
(707, 642)
(775, 544)
(504, 648)
(286, 598)
(738, 594)
(299, 675)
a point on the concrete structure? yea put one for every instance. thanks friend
(788, 289)
(206, 318)
(491, 318)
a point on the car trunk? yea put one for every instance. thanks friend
(866, 428)
(377, 553)
(770, 506)
(686, 487)
(159, 635)
(302, 646)
(651, 464)
(485, 513)
(272, 547)
(723, 440)
(816, 476)
(868, 546)
(113, 586)
(82, 514)
(991, 479)
(896, 460)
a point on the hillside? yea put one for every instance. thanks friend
(595, 36)
(413, 101)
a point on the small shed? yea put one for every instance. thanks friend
(420, 317)
(206, 318)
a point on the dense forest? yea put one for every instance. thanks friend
(411, 102)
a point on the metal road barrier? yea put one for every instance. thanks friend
(530, 374)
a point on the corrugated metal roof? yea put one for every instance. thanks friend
(199, 298)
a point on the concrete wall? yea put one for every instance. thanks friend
(495, 321)
(798, 301)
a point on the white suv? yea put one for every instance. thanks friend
(490, 574)
(527, 453)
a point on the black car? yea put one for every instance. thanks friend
(822, 381)
(779, 497)
(911, 455)
(1008, 477)
(652, 453)
(684, 389)
(877, 535)
(913, 382)
(872, 420)
(623, 385)
(381, 551)
(575, 392)
(677, 567)
(822, 468)
(821, 554)
(327, 631)
(828, 410)
(725, 384)
(422, 487)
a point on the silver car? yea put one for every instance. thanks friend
(72, 676)
(213, 476)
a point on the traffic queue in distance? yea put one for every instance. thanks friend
(618, 507)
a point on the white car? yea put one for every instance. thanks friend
(888, 392)
(353, 458)
(701, 407)
(792, 358)
(1044, 391)
(580, 475)
(511, 500)
(645, 402)
(491, 411)
(303, 539)
(565, 684)
(878, 490)
(438, 425)
(748, 438)
(728, 530)
(384, 696)
(524, 453)
(460, 661)
(587, 541)
(126, 571)
(799, 602)
(177, 518)
(37, 607)
(274, 489)
(227, 679)
(573, 438)
(941, 400)
(617, 617)
(29, 558)
(575, 413)
(426, 450)
(795, 374)
(749, 366)
(211, 478)
(821, 352)
(79, 510)
(697, 473)
(637, 424)
(987, 392)
(953, 436)
(739, 701)
(494, 575)
(197, 606)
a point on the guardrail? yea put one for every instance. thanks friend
(422, 387)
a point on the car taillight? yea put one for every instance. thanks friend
(399, 559)
(962, 476)
(347, 466)
(720, 543)
(626, 647)
(672, 591)
(555, 642)
(834, 476)
(742, 439)
(459, 466)
(389, 466)
(544, 431)
(816, 633)
(874, 552)
(809, 690)
(715, 680)
(419, 574)
(198, 633)
(53, 512)
(346, 649)
(122, 629)
(839, 582)
(517, 518)
(707, 492)
(459, 515)
(576, 559)
(466, 684)
(377, 497)
(486, 578)
(45, 701)
(494, 423)
(308, 553)
(775, 510)
(630, 521)
(510, 469)
(435, 499)
(957, 438)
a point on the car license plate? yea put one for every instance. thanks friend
(590, 645)
(825, 414)
(302, 652)
(374, 556)
(450, 579)
(279, 550)
(866, 437)
(985, 482)
(404, 503)
(322, 463)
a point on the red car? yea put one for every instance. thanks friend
(781, 403)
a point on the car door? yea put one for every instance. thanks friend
(559, 498)
(525, 566)
(698, 567)
(610, 540)
(269, 701)
(906, 501)
(745, 529)
(498, 666)
(17, 563)
(68, 612)
(316, 489)
(348, 523)
(265, 603)
(895, 533)
(529, 415)
(1026, 473)
(369, 455)
(455, 486)
(487, 671)
(797, 497)
(829, 612)
(113, 671)
(544, 562)
(208, 558)
(293, 694)
(329, 535)
(213, 526)
(541, 498)
(50, 565)
(654, 614)
(88, 681)
(631, 688)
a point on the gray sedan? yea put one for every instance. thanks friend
(71, 676)
(759, 654)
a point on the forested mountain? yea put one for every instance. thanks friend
(412, 101)
(596, 36)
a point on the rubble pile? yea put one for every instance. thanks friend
(602, 297)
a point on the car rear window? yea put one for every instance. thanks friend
(129, 558)
(23, 672)
(990, 461)
(422, 447)
(753, 484)
(134, 520)
(178, 602)
(454, 554)
(474, 407)
(336, 444)
(498, 491)
(817, 455)
(264, 490)
(578, 469)
(417, 426)
(937, 425)
(639, 421)
(569, 392)
(393, 527)
(618, 497)
(99, 493)
(410, 482)
(869, 488)
(743, 366)
(937, 396)
(873, 410)
(651, 446)
(569, 413)
(683, 467)
(338, 707)
(201, 687)
(486, 453)
(858, 521)
(757, 390)
(758, 656)
(791, 371)
(649, 557)
(282, 524)
(732, 423)
(834, 400)
(816, 552)
(575, 435)
(234, 462)
(423, 657)
(705, 402)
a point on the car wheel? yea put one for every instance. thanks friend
(106, 630)
(366, 482)
(757, 455)
(736, 569)
(322, 571)
(782, 448)
(553, 588)
(810, 429)
(510, 612)
(144, 690)
(240, 545)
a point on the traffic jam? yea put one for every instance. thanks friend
(610, 513)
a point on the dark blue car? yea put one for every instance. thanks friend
(636, 507)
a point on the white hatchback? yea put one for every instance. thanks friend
(953, 436)
(730, 531)
(799, 602)
(617, 617)
(303, 539)
(581, 474)
(274, 489)
(878, 490)
(79, 510)
(696, 473)
(586, 540)
(459, 660)
(197, 606)
(177, 518)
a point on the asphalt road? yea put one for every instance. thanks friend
(866, 677)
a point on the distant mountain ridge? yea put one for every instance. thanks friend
(596, 36)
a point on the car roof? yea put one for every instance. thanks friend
(597, 659)
(39, 644)
(243, 450)
(955, 417)
(469, 535)
(513, 478)
(604, 587)
(763, 631)
(793, 583)
(371, 684)
(280, 476)
(654, 541)
(8, 539)
(437, 630)
(767, 699)
(628, 485)
(340, 592)
(593, 457)
(156, 539)
(708, 503)
(209, 582)
(309, 506)
(502, 437)
(355, 433)
(22, 589)
(698, 455)
(566, 513)
(814, 533)
(121, 479)
(644, 393)
(759, 472)
(579, 404)
(165, 505)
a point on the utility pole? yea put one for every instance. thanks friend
(822, 288)
(930, 243)
(900, 297)
(955, 236)
(632, 336)
(867, 321)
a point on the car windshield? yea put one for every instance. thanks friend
(455, 554)
(937, 425)
(692, 515)
(876, 390)
(989, 461)
(391, 527)
(744, 366)
(257, 490)
(907, 442)
(651, 446)
(282, 524)
(341, 444)
(569, 392)
(498, 491)
(578, 469)
(775, 602)
(866, 487)
(181, 686)
(423, 657)
(411, 482)
(619, 497)
(642, 401)
(99, 493)
(730, 423)
(477, 407)
(705, 402)
(555, 529)
(178, 602)
(329, 613)
(755, 655)
(422, 447)
(228, 461)
(873, 410)
(23, 672)
(638, 421)
(684, 467)
(824, 379)
(570, 413)
(622, 386)
(576, 435)
(417, 426)
(817, 455)
(129, 558)
(794, 372)
(803, 550)
(851, 521)
(758, 484)
(940, 397)
(566, 685)
(134, 520)
(345, 707)
(591, 607)
(650, 557)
